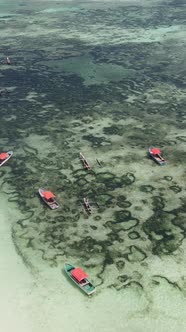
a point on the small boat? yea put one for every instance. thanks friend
(98, 162)
(4, 156)
(85, 163)
(49, 198)
(155, 154)
(8, 61)
(80, 278)
(87, 206)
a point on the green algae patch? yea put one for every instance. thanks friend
(165, 236)
(91, 72)
(122, 202)
(114, 130)
(133, 235)
(135, 254)
(124, 219)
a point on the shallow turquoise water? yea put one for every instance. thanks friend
(109, 82)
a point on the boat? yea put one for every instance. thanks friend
(85, 163)
(8, 61)
(4, 156)
(87, 206)
(80, 278)
(155, 154)
(49, 198)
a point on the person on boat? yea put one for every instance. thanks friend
(87, 205)
(86, 165)
(51, 200)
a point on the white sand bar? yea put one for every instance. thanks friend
(15, 280)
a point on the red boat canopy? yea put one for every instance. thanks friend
(79, 274)
(48, 194)
(3, 155)
(155, 151)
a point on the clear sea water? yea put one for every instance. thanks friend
(108, 80)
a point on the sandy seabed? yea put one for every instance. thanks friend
(43, 302)
(15, 281)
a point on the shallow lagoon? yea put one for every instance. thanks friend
(65, 93)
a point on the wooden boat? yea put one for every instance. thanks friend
(85, 163)
(49, 198)
(87, 206)
(155, 154)
(4, 156)
(80, 278)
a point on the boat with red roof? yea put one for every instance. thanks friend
(77, 275)
(49, 198)
(4, 156)
(155, 154)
